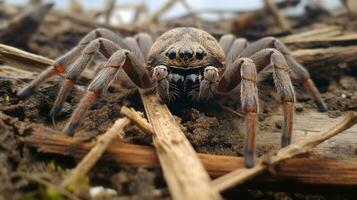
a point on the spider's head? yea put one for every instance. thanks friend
(179, 59)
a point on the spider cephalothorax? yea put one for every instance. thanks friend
(185, 63)
(180, 58)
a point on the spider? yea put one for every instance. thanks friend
(183, 63)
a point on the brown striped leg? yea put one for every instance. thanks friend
(237, 48)
(284, 87)
(226, 42)
(234, 75)
(62, 63)
(58, 67)
(298, 72)
(120, 61)
(249, 100)
(100, 45)
(243, 72)
(144, 42)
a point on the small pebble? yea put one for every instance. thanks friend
(101, 191)
(299, 107)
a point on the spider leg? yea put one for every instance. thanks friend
(226, 42)
(133, 46)
(120, 61)
(207, 85)
(231, 77)
(283, 84)
(243, 71)
(249, 100)
(298, 72)
(145, 42)
(100, 45)
(232, 47)
(237, 48)
(56, 68)
(62, 63)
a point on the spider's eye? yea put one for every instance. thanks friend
(171, 54)
(200, 54)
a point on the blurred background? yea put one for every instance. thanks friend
(321, 34)
(126, 14)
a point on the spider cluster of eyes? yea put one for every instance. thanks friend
(186, 53)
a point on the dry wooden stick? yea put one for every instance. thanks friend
(310, 171)
(316, 33)
(326, 39)
(17, 56)
(320, 35)
(281, 20)
(184, 173)
(331, 55)
(137, 120)
(241, 175)
(29, 61)
(95, 153)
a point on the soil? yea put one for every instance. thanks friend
(211, 129)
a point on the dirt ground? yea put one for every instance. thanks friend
(212, 129)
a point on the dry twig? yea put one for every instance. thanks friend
(309, 171)
(241, 175)
(331, 55)
(16, 56)
(95, 153)
(29, 61)
(137, 120)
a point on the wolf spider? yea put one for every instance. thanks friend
(183, 63)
